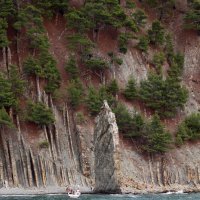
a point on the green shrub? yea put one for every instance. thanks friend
(75, 92)
(130, 4)
(6, 8)
(151, 136)
(158, 61)
(130, 125)
(32, 67)
(5, 119)
(49, 8)
(158, 140)
(192, 16)
(95, 99)
(7, 98)
(130, 24)
(71, 68)
(77, 20)
(169, 47)
(130, 91)
(114, 59)
(139, 18)
(80, 119)
(17, 83)
(189, 129)
(164, 9)
(40, 114)
(156, 33)
(163, 96)
(113, 87)
(143, 43)
(81, 43)
(176, 66)
(3, 33)
(50, 71)
(44, 144)
(123, 42)
(38, 39)
(96, 63)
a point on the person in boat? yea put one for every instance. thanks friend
(68, 189)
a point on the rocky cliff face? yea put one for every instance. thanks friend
(106, 152)
(24, 164)
(87, 156)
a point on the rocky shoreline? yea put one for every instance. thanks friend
(39, 191)
(51, 190)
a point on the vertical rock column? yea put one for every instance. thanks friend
(106, 152)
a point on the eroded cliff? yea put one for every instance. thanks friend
(72, 156)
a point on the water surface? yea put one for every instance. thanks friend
(106, 197)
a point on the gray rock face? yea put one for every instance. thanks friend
(106, 151)
(24, 164)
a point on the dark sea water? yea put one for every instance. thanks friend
(107, 197)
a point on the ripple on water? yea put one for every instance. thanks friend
(105, 197)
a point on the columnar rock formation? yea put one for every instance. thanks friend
(106, 152)
(23, 163)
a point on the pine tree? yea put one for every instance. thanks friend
(6, 8)
(130, 91)
(189, 129)
(113, 87)
(123, 40)
(124, 119)
(176, 66)
(78, 20)
(93, 101)
(17, 83)
(6, 95)
(29, 17)
(169, 48)
(81, 43)
(164, 8)
(131, 126)
(175, 96)
(163, 96)
(139, 18)
(51, 72)
(50, 8)
(39, 113)
(143, 43)
(158, 61)
(192, 17)
(71, 68)
(75, 93)
(158, 139)
(96, 63)
(32, 67)
(3, 33)
(156, 33)
(5, 119)
(130, 4)
(182, 134)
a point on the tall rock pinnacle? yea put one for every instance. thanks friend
(106, 152)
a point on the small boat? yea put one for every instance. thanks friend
(75, 194)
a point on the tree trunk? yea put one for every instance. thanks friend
(38, 88)
(4, 59)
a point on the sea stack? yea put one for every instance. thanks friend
(106, 152)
